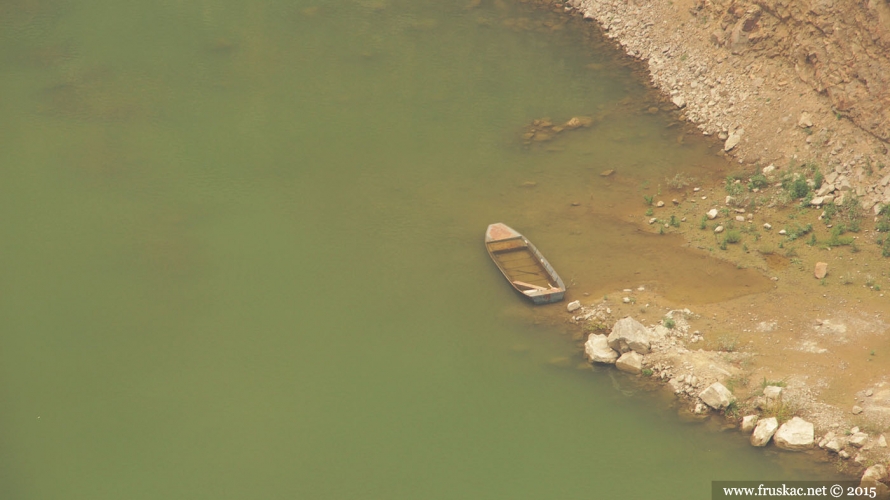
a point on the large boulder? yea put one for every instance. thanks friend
(630, 362)
(795, 435)
(764, 431)
(873, 474)
(717, 396)
(629, 334)
(597, 349)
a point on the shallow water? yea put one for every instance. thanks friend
(241, 256)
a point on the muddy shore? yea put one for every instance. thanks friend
(734, 72)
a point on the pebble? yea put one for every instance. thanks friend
(783, 232)
(857, 410)
(718, 229)
(659, 204)
(767, 226)
(712, 213)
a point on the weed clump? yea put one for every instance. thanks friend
(847, 216)
(732, 237)
(758, 181)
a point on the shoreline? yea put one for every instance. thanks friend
(798, 340)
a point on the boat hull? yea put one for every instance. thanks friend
(525, 268)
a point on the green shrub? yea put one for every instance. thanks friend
(798, 188)
(758, 181)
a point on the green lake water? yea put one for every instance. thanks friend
(241, 256)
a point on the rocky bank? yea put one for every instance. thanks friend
(781, 81)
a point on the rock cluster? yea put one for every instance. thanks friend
(543, 129)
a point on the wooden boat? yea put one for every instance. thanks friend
(523, 265)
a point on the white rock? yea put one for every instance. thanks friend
(731, 142)
(768, 169)
(764, 431)
(882, 441)
(712, 213)
(740, 218)
(597, 349)
(679, 101)
(717, 396)
(817, 201)
(795, 435)
(629, 334)
(748, 422)
(573, 305)
(718, 229)
(767, 226)
(783, 232)
(772, 392)
(630, 362)
(859, 439)
(805, 121)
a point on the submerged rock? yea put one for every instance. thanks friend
(598, 351)
(795, 435)
(579, 121)
(764, 431)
